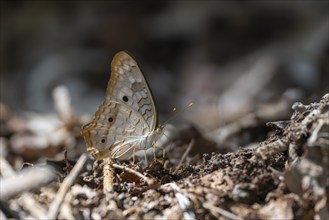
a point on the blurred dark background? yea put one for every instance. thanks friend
(227, 57)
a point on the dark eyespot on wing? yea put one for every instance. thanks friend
(125, 98)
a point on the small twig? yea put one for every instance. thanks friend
(271, 148)
(314, 136)
(292, 152)
(62, 101)
(66, 211)
(35, 209)
(65, 186)
(188, 149)
(108, 175)
(223, 212)
(146, 179)
(2, 215)
(25, 180)
(183, 202)
(6, 169)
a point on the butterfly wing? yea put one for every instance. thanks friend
(128, 86)
(126, 117)
(114, 131)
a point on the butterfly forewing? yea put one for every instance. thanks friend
(128, 86)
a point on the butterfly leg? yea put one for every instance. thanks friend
(163, 152)
(145, 157)
(154, 151)
(134, 155)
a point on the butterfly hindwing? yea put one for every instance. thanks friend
(114, 125)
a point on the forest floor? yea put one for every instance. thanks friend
(285, 176)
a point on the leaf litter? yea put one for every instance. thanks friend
(283, 177)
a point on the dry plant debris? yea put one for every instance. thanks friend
(284, 177)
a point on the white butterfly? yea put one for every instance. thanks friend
(127, 121)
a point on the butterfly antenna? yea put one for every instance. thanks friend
(175, 115)
(165, 135)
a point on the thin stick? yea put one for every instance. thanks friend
(271, 148)
(65, 186)
(6, 169)
(2, 216)
(215, 210)
(66, 211)
(145, 157)
(25, 180)
(62, 101)
(146, 179)
(188, 149)
(154, 151)
(108, 175)
(30, 204)
(183, 202)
